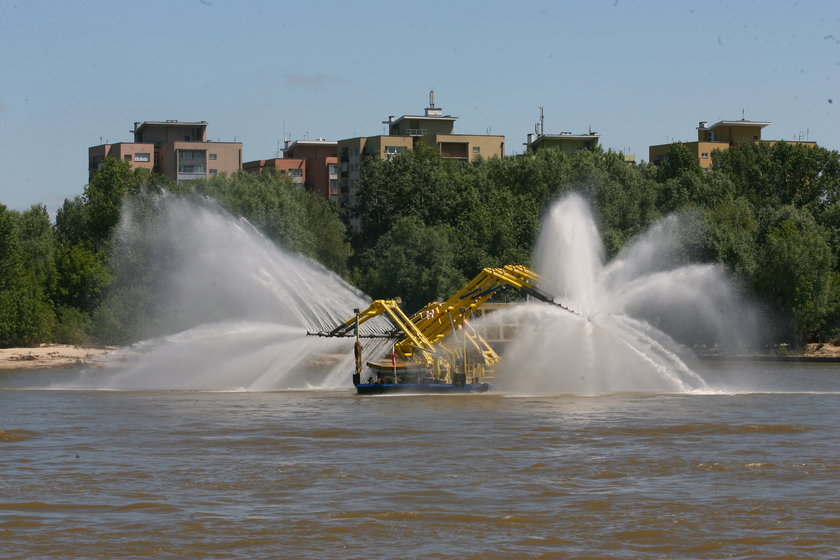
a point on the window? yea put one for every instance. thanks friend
(705, 155)
(391, 151)
(476, 149)
(212, 156)
(127, 157)
(192, 161)
(213, 172)
(142, 156)
(295, 172)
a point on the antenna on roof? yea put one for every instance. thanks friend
(542, 122)
(742, 115)
(432, 99)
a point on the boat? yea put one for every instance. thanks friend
(412, 377)
(410, 388)
(436, 350)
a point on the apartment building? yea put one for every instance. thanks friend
(719, 136)
(294, 169)
(308, 163)
(178, 150)
(321, 159)
(432, 128)
(565, 142)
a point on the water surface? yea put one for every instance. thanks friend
(748, 470)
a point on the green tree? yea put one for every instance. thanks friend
(103, 200)
(779, 174)
(414, 262)
(26, 315)
(731, 234)
(680, 161)
(414, 183)
(292, 217)
(794, 271)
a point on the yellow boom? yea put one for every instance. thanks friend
(421, 335)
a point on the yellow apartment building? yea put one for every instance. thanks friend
(432, 128)
(719, 136)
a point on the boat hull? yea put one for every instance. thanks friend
(389, 388)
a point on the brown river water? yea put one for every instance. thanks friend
(748, 470)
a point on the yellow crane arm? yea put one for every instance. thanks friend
(412, 339)
(438, 319)
(426, 329)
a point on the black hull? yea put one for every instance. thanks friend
(390, 388)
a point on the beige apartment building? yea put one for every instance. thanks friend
(177, 150)
(719, 136)
(433, 129)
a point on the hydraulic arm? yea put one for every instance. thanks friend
(425, 330)
(438, 319)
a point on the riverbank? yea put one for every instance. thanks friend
(813, 353)
(48, 356)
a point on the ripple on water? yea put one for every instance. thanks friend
(12, 436)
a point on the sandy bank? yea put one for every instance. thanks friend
(51, 356)
(66, 356)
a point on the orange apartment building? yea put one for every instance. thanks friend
(308, 163)
(719, 136)
(177, 150)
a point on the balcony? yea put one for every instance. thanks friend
(190, 176)
(454, 150)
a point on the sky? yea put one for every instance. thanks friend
(75, 74)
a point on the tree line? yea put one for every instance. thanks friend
(769, 212)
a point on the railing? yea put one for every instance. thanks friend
(187, 176)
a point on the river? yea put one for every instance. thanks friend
(750, 469)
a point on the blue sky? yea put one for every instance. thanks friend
(75, 74)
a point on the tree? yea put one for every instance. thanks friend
(680, 161)
(731, 234)
(776, 174)
(26, 315)
(794, 270)
(292, 217)
(414, 262)
(103, 198)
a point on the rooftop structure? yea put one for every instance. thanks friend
(565, 142)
